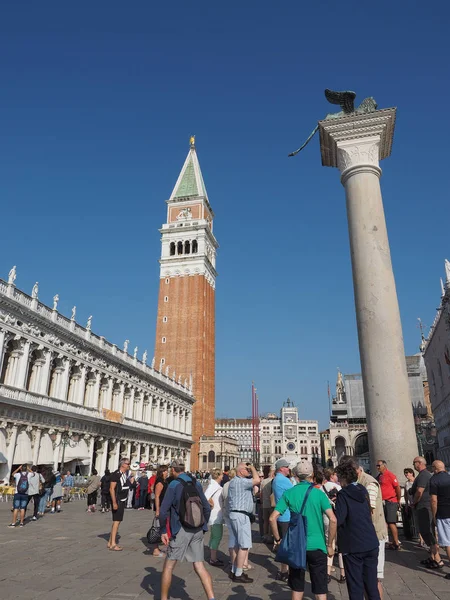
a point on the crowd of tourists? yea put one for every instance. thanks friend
(350, 517)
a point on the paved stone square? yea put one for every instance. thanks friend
(65, 556)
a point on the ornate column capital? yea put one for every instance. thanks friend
(359, 153)
(357, 142)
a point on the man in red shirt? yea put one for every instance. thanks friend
(391, 494)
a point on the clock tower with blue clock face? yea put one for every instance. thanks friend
(289, 430)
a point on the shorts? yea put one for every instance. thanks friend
(317, 566)
(390, 512)
(443, 527)
(426, 526)
(215, 536)
(117, 515)
(282, 528)
(381, 558)
(242, 530)
(20, 501)
(231, 538)
(186, 545)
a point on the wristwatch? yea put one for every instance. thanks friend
(277, 541)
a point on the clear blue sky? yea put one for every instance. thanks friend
(97, 104)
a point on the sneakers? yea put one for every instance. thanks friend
(12, 525)
(52, 511)
(34, 518)
(58, 509)
(20, 524)
(244, 578)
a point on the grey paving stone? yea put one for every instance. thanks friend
(65, 556)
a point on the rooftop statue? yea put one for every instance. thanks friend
(346, 101)
(12, 275)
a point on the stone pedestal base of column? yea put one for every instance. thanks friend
(355, 144)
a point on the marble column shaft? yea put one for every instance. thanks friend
(356, 144)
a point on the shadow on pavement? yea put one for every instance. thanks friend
(152, 584)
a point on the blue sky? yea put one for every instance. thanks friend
(97, 104)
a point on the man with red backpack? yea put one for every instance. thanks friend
(22, 477)
(189, 510)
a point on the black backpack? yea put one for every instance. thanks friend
(191, 507)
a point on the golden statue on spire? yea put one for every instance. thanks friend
(192, 141)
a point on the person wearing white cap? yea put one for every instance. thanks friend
(280, 484)
(316, 506)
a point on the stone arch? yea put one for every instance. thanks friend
(339, 444)
(23, 453)
(362, 450)
(45, 454)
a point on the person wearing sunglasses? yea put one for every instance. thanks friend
(118, 489)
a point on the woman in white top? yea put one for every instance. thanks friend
(214, 493)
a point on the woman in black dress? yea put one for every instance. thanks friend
(160, 490)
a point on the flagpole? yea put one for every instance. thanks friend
(329, 399)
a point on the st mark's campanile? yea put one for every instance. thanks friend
(185, 328)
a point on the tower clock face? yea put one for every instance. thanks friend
(290, 446)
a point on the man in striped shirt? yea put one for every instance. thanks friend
(240, 508)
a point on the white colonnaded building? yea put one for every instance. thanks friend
(68, 395)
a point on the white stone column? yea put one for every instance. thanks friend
(56, 451)
(121, 397)
(157, 412)
(155, 453)
(45, 373)
(91, 453)
(2, 347)
(63, 380)
(355, 144)
(104, 459)
(12, 438)
(95, 401)
(138, 452)
(146, 457)
(113, 462)
(81, 387)
(37, 433)
(189, 423)
(109, 394)
(23, 365)
(130, 403)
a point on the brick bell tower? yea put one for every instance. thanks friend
(185, 328)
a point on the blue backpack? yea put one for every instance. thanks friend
(22, 484)
(292, 550)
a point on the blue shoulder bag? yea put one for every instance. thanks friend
(292, 550)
